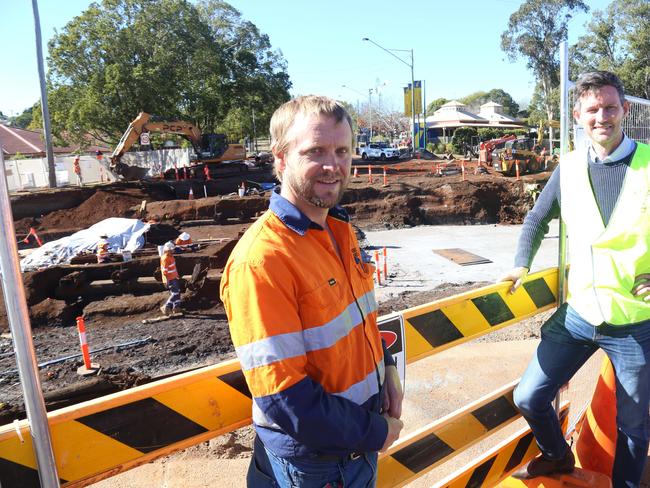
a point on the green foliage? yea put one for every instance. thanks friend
(436, 104)
(476, 99)
(618, 40)
(24, 119)
(177, 60)
(534, 32)
(462, 139)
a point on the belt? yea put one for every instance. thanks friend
(327, 458)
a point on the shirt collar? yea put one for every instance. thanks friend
(294, 219)
(624, 149)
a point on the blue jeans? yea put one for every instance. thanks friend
(270, 471)
(567, 342)
(174, 300)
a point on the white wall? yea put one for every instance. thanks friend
(160, 159)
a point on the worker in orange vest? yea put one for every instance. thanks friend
(103, 249)
(77, 170)
(170, 279)
(184, 243)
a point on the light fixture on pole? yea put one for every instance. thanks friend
(389, 51)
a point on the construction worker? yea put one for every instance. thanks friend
(170, 279)
(605, 200)
(103, 249)
(77, 170)
(299, 296)
(184, 243)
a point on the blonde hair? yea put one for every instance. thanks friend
(307, 105)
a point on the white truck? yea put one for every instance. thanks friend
(379, 150)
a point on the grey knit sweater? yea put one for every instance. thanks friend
(606, 181)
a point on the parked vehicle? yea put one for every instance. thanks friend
(379, 150)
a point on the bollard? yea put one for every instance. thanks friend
(88, 368)
(206, 172)
(369, 174)
(517, 169)
(385, 266)
(205, 191)
(377, 267)
(462, 169)
(356, 172)
(385, 177)
(190, 195)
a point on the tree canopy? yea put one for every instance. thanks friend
(618, 40)
(535, 32)
(436, 104)
(476, 99)
(203, 63)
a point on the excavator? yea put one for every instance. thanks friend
(209, 149)
(486, 147)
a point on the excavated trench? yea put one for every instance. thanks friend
(133, 352)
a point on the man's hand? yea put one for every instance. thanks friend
(516, 275)
(394, 428)
(642, 287)
(393, 393)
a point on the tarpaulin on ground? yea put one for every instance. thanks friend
(122, 234)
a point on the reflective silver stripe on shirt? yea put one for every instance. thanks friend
(358, 393)
(283, 346)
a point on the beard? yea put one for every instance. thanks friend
(305, 188)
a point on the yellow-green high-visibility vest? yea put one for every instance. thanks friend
(604, 261)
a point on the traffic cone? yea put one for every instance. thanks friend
(369, 174)
(356, 172)
(385, 177)
(596, 443)
(190, 195)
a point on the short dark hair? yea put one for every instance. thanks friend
(588, 82)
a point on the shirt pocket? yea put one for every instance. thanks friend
(320, 305)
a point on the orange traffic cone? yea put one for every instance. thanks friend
(190, 195)
(596, 443)
(356, 172)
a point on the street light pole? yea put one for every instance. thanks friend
(411, 65)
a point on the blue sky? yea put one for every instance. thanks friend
(456, 46)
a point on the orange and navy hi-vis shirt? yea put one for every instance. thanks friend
(168, 266)
(304, 324)
(102, 248)
(180, 242)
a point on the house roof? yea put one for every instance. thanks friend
(23, 141)
(455, 114)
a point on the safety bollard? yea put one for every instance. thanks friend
(356, 172)
(377, 267)
(517, 169)
(369, 174)
(206, 172)
(190, 195)
(462, 169)
(205, 191)
(88, 368)
(385, 266)
(385, 177)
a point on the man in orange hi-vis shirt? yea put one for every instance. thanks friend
(170, 279)
(300, 300)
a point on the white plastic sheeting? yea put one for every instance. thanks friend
(123, 234)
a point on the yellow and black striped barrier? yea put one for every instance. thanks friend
(443, 439)
(102, 437)
(502, 460)
(445, 323)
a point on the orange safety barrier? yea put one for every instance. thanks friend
(32, 232)
(88, 366)
(377, 267)
(596, 443)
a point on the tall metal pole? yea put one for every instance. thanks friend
(370, 109)
(254, 133)
(424, 110)
(49, 151)
(21, 333)
(413, 104)
(564, 148)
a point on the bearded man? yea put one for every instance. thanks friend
(299, 296)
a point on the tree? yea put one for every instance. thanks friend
(462, 139)
(618, 40)
(24, 119)
(436, 104)
(476, 99)
(534, 32)
(166, 57)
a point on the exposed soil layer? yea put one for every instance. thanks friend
(134, 352)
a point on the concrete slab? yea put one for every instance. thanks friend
(413, 266)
